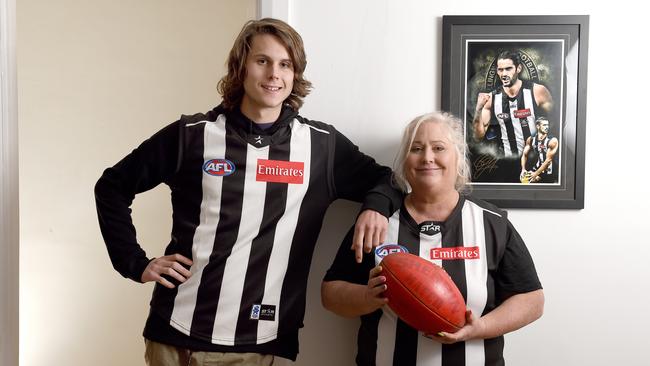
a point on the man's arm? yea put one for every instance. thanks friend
(553, 146)
(358, 177)
(151, 163)
(524, 155)
(543, 98)
(482, 115)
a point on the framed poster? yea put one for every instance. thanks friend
(519, 85)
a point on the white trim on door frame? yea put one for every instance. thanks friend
(9, 237)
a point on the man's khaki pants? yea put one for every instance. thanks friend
(158, 354)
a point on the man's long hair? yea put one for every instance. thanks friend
(231, 86)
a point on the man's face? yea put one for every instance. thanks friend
(507, 72)
(543, 127)
(269, 76)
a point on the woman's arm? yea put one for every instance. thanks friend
(350, 299)
(517, 311)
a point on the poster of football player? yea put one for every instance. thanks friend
(519, 83)
(510, 85)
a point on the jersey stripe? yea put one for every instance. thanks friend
(517, 126)
(214, 136)
(386, 327)
(502, 105)
(405, 348)
(476, 275)
(300, 151)
(386, 330)
(256, 270)
(204, 321)
(528, 127)
(429, 352)
(452, 236)
(294, 286)
(493, 348)
(406, 345)
(234, 275)
(393, 229)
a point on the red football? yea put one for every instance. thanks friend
(422, 294)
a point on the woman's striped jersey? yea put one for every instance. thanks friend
(483, 254)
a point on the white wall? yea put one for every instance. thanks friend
(376, 64)
(95, 79)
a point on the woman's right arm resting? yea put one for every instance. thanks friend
(350, 299)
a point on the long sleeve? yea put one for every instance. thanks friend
(359, 178)
(153, 162)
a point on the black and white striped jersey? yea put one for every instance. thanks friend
(512, 120)
(248, 205)
(483, 254)
(541, 148)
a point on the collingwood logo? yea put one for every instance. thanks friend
(280, 171)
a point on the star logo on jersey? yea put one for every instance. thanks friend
(258, 140)
(429, 228)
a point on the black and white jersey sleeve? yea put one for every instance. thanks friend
(153, 162)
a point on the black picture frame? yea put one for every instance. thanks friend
(552, 52)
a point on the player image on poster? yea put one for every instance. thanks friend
(513, 103)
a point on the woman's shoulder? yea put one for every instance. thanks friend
(485, 205)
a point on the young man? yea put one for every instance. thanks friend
(250, 183)
(545, 147)
(506, 116)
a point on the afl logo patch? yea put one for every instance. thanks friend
(386, 249)
(219, 167)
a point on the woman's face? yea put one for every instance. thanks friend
(432, 160)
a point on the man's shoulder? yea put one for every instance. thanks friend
(210, 116)
(317, 125)
(539, 86)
